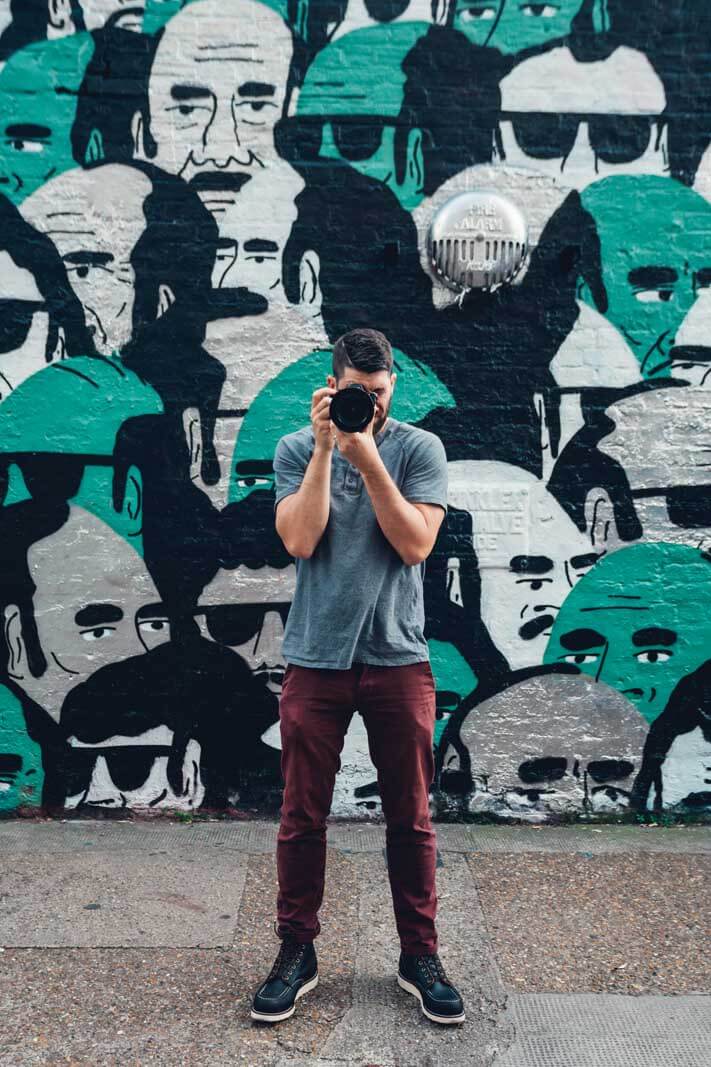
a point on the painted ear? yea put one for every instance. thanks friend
(600, 519)
(59, 18)
(138, 137)
(601, 17)
(60, 349)
(94, 152)
(166, 299)
(15, 643)
(133, 501)
(310, 296)
(192, 428)
(415, 162)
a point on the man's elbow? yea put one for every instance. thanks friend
(414, 556)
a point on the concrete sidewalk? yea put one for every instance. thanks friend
(138, 943)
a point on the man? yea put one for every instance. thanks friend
(133, 241)
(638, 622)
(214, 101)
(652, 281)
(360, 512)
(584, 120)
(38, 99)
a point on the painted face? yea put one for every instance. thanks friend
(531, 747)
(24, 325)
(252, 242)
(665, 430)
(38, 95)
(349, 107)
(214, 102)
(119, 14)
(637, 622)
(584, 121)
(131, 772)
(512, 25)
(101, 609)
(654, 278)
(363, 14)
(95, 219)
(246, 610)
(529, 553)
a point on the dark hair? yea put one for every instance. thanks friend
(364, 350)
(114, 88)
(36, 253)
(21, 526)
(30, 21)
(177, 248)
(452, 95)
(370, 274)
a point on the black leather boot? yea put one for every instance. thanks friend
(424, 977)
(294, 973)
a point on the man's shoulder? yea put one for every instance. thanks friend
(300, 441)
(410, 437)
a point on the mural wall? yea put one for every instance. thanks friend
(197, 199)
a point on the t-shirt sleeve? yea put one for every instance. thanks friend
(290, 463)
(426, 473)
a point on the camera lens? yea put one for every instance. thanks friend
(352, 408)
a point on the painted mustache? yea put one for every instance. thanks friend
(536, 627)
(219, 181)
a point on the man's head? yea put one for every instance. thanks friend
(38, 99)
(133, 241)
(584, 121)
(364, 357)
(40, 317)
(653, 271)
(528, 553)
(215, 99)
(638, 622)
(67, 434)
(75, 595)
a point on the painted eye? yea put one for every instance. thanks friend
(154, 626)
(28, 146)
(540, 11)
(654, 655)
(580, 659)
(480, 13)
(654, 296)
(249, 483)
(100, 633)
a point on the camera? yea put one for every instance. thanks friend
(353, 408)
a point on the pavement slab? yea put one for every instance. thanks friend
(639, 923)
(608, 1031)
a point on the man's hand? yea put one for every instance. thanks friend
(359, 449)
(321, 420)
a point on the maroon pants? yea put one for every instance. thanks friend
(398, 707)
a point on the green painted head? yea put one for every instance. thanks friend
(39, 85)
(655, 246)
(511, 25)
(158, 12)
(352, 96)
(75, 408)
(639, 621)
(283, 406)
(21, 771)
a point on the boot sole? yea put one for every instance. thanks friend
(305, 988)
(446, 1020)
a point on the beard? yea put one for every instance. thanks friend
(380, 420)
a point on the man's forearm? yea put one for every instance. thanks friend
(403, 525)
(305, 516)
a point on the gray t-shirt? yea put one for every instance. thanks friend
(356, 601)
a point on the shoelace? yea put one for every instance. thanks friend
(431, 967)
(290, 955)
